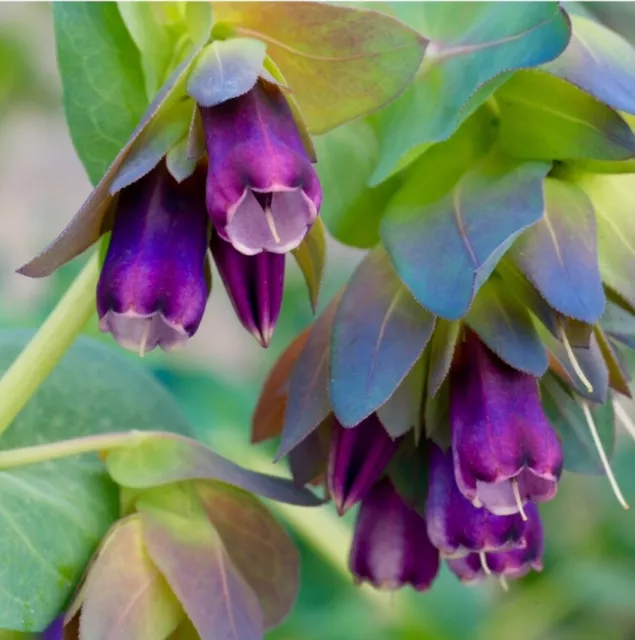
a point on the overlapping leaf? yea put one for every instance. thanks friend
(311, 257)
(442, 345)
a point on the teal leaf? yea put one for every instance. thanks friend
(444, 251)
(102, 80)
(566, 416)
(379, 332)
(546, 118)
(559, 253)
(226, 69)
(600, 62)
(468, 49)
(54, 514)
(619, 324)
(506, 327)
(619, 375)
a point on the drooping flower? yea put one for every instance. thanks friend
(255, 285)
(455, 526)
(152, 290)
(358, 457)
(505, 451)
(262, 192)
(390, 543)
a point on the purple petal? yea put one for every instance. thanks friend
(358, 457)
(390, 544)
(255, 150)
(468, 569)
(55, 631)
(152, 289)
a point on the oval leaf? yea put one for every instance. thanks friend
(311, 256)
(442, 345)
(618, 375)
(379, 332)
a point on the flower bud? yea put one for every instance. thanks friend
(254, 284)
(152, 290)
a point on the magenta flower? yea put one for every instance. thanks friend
(255, 285)
(390, 544)
(358, 457)
(505, 451)
(152, 290)
(262, 192)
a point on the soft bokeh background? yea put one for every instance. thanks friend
(587, 590)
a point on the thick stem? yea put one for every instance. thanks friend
(49, 344)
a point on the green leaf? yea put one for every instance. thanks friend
(125, 596)
(465, 62)
(102, 80)
(311, 256)
(340, 63)
(178, 161)
(619, 375)
(546, 118)
(54, 514)
(442, 345)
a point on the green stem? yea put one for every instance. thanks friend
(49, 344)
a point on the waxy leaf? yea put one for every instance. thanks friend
(102, 80)
(506, 327)
(226, 69)
(619, 324)
(408, 471)
(269, 413)
(125, 596)
(442, 345)
(340, 63)
(566, 416)
(559, 253)
(311, 256)
(618, 374)
(444, 251)
(436, 416)
(470, 49)
(259, 548)
(55, 514)
(600, 62)
(308, 402)
(158, 459)
(308, 461)
(379, 332)
(178, 161)
(191, 555)
(546, 118)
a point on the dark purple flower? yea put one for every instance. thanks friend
(254, 284)
(262, 192)
(455, 526)
(390, 543)
(152, 290)
(505, 451)
(514, 564)
(357, 458)
(55, 631)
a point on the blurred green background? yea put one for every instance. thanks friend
(587, 589)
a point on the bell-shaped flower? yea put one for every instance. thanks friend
(455, 526)
(255, 285)
(263, 194)
(152, 290)
(357, 458)
(505, 451)
(390, 544)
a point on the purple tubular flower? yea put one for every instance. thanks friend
(455, 526)
(263, 194)
(357, 458)
(514, 564)
(254, 284)
(55, 631)
(390, 543)
(505, 451)
(152, 290)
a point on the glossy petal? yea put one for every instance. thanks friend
(262, 192)
(501, 439)
(390, 543)
(254, 284)
(152, 289)
(358, 457)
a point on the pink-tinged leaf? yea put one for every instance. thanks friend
(191, 555)
(618, 376)
(559, 253)
(442, 345)
(379, 332)
(308, 401)
(226, 69)
(259, 548)
(311, 256)
(125, 595)
(340, 63)
(91, 221)
(157, 459)
(308, 461)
